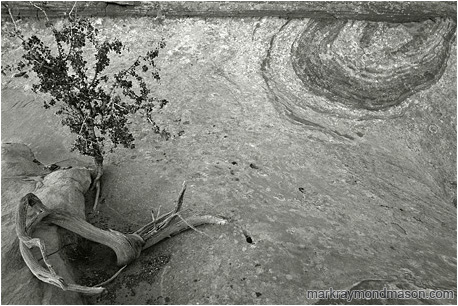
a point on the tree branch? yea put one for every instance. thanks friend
(71, 11)
(42, 10)
(12, 19)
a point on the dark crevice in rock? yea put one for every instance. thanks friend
(247, 237)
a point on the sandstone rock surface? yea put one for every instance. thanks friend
(317, 197)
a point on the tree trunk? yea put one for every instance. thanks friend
(98, 161)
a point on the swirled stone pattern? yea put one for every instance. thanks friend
(371, 65)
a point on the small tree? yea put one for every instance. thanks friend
(94, 104)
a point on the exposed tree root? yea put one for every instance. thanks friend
(111, 278)
(98, 161)
(126, 246)
(97, 195)
(26, 242)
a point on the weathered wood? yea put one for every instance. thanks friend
(126, 246)
(180, 225)
(26, 242)
(398, 11)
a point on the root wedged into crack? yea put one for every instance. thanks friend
(127, 247)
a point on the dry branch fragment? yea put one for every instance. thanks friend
(180, 226)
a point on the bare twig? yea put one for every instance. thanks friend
(71, 11)
(16, 29)
(11, 15)
(153, 226)
(111, 278)
(42, 10)
(192, 227)
(70, 48)
(180, 198)
(174, 213)
(83, 124)
(97, 194)
(156, 216)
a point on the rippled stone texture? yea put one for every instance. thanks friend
(371, 65)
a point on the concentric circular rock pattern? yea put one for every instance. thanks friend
(371, 65)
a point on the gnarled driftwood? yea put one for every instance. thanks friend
(126, 246)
